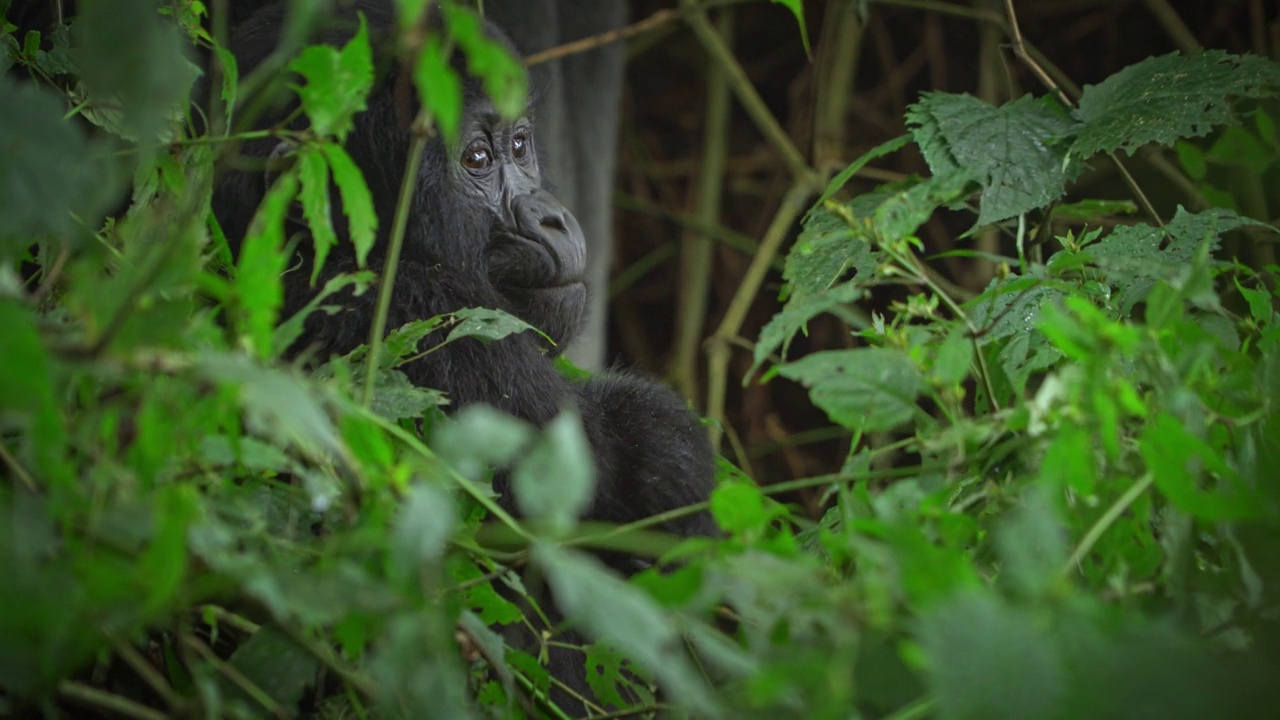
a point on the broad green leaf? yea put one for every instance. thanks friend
(406, 341)
(795, 317)
(337, 83)
(479, 437)
(864, 390)
(49, 174)
(991, 661)
(742, 508)
(1136, 256)
(425, 521)
(954, 356)
(487, 324)
(163, 566)
(276, 665)
(1010, 150)
(29, 397)
(828, 250)
(439, 88)
(1183, 467)
(314, 195)
(395, 397)
(555, 481)
(147, 77)
(610, 609)
(902, 213)
(502, 75)
(357, 201)
(258, 288)
(277, 403)
(1166, 98)
(1032, 545)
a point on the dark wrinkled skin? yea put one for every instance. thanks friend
(483, 233)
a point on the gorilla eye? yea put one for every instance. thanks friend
(477, 156)
(520, 144)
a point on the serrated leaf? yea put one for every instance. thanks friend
(405, 341)
(827, 251)
(440, 88)
(610, 609)
(1010, 150)
(1180, 463)
(337, 83)
(276, 665)
(795, 317)
(990, 660)
(146, 78)
(1136, 256)
(422, 527)
(357, 201)
(487, 324)
(288, 332)
(49, 174)
(395, 397)
(902, 213)
(313, 173)
(478, 437)
(502, 75)
(1166, 98)
(742, 508)
(555, 482)
(864, 390)
(258, 287)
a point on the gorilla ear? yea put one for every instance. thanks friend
(281, 159)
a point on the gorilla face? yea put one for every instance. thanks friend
(535, 255)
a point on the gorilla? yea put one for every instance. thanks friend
(483, 232)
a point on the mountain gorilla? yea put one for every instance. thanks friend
(484, 233)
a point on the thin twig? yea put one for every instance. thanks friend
(1105, 522)
(17, 468)
(652, 22)
(113, 704)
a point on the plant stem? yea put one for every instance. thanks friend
(1105, 522)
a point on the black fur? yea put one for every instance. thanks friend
(500, 243)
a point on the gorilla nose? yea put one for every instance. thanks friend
(541, 218)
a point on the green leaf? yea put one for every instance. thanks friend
(478, 437)
(357, 201)
(147, 78)
(864, 390)
(1180, 463)
(797, 313)
(1032, 545)
(1166, 98)
(395, 397)
(275, 664)
(797, 9)
(828, 249)
(29, 399)
(440, 89)
(885, 148)
(314, 174)
(610, 609)
(1010, 150)
(1136, 256)
(258, 288)
(742, 508)
(487, 324)
(422, 527)
(503, 76)
(337, 83)
(991, 661)
(288, 332)
(554, 483)
(50, 174)
(952, 363)
(163, 565)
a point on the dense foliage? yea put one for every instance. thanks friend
(1061, 501)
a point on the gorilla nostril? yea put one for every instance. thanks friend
(554, 222)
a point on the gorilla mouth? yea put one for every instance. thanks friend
(527, 264)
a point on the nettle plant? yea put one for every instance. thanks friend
(1061, 500)
(1086, 456)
